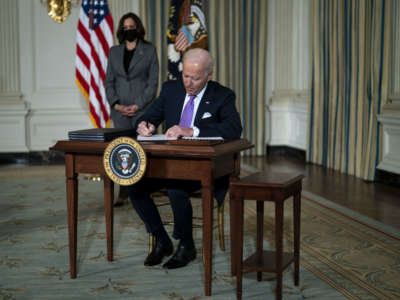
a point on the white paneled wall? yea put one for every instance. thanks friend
(390, 116)
(391, 143)
(9, 46)
(395, 56)
(39, 101)
(12, 108)
(288, 74)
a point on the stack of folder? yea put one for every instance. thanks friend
(100, 134)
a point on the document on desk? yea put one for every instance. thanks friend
(155, 138)
(203, 138)
(162, 137)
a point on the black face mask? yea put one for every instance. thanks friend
(131, 34)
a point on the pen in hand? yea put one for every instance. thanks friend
(145, 128)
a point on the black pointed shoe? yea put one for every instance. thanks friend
(181, 258)
(160, 250)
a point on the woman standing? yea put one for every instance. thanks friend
(131, 78)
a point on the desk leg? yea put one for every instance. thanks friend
(207, 195)
(108, 205)
(72, 212)
(278, 246)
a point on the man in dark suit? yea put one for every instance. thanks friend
(193, 107)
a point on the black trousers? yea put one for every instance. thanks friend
(178, 194)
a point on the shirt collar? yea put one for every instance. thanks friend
(199, 95)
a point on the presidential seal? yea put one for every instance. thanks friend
(124, 161)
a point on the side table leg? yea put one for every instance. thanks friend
(239, 246)
(279, 246)
(296, 231)
(233, 208)
(72, 211)
(260, 234)
(109, 214)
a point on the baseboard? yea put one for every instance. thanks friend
(286, 151)
(32, 158)
(387, 178)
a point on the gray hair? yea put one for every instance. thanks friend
(202, 56)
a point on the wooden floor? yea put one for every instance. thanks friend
(375, 200)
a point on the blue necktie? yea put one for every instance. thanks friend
(187, 115)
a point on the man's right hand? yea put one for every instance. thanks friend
(145, 128)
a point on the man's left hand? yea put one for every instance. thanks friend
(178, 131)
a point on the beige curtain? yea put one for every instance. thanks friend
(349, 84)
(238, 42)
(237, 31)
(154, 14)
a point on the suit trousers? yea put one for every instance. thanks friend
(178, 193)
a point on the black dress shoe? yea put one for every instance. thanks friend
(160, 250)
(181, 258)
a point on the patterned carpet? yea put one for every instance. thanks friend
(358, 263)
(358, 260)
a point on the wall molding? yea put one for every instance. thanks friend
(13, 126)
(287, 152)
(390, 143)
(288, 121)
(47, 126)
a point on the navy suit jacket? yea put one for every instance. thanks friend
(218, 101)
(216, 115)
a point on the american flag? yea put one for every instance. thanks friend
(94, 39)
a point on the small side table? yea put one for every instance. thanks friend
(265, 186)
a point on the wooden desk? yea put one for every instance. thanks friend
(165, 160)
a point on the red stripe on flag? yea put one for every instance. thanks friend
(84, 33)
(96, 90)
(82, 81)
(83, 57)
(97, 64)
(102, 39)
(94, 115)
(110, 23)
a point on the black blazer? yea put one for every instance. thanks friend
(216, 115)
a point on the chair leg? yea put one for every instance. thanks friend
(152, 241)
(221, 232)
